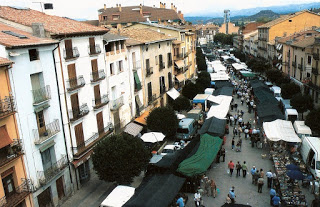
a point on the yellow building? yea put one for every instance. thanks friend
(232, 29)
(15, 188)
(284, 26)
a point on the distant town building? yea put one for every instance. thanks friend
(206, 33)
(243, 33)
(228, 28)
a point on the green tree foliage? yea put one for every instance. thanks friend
(225, 39)
(203, 81)
(163, 119)
(120, 158)
(273, 75)
(288, 90)
(302, 103)
(200, 59)
(313, 120)
(240, 55)
(257, 65)
(190, 90)
(181, 103)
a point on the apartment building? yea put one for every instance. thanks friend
(314, 84)
(120, 16)
(206, 33)
(34, 84)
(81, 77)
(284, 26)
(156, 63)
(244, 33)
(232, 29)
(118, 78)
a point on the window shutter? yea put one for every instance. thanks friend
(75, 104)
(79, 134)
(94, 65)
(92, 45)
(100, 122)
(68, 46)
(97, 94)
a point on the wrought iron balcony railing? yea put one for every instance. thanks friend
(116, 103)
(7, 106)
(161, 65)
(315, 56)
(98, 75)
(315, 71)
(47, 174)
(152, 98)
(94, 49)
(300, 66)
(149, 71)
(75, 83)
(78, 112)
(100, 101)
(10, 152)
(40, 95)
(136, 65)
(71, 53)
(48, 132)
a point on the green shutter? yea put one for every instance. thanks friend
(137, 81)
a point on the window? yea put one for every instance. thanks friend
(105, 18)
(109, 47)
(121, 44)
(309, 59)
(290, 20)
(92, 45)
(159, 45)
(68, 47)
(120, 66)
(33, 54)
(111, 69)
(48, 158)
(149, 92)
(156, 59)
(115, 17)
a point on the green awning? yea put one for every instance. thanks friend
(248, 74)
(137, 81)
(202, 159)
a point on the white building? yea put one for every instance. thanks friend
(39, 117)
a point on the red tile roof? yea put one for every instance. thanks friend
(250, 27)
(57, 26)
(5, 61)
(11, 41)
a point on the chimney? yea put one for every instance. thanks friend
(175, 8)
(160, 4)
(164, 5)
(172, 6)
(117, 5)
(120, 9)
(38, 30)
(140, 8)
(105, 7)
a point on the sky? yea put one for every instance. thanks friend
(87, 9)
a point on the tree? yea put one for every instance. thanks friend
(203, 81)
(273, 75)
(200, 59)
(120, 158)
(288, 90)
(181, 103)
(190, 90)
(225, 39)
(302, 103)
(240, 55)
(313, 120)
(163, 119)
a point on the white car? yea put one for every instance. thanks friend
(169, 149)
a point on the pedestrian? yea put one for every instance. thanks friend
(260, 184)
(213, 187)
(231, 120)
(207, 186)
(224, 140)
(231, 106)
(252, 140)
(238, 167)
(272, 193)
(240, 143)
(228, 199)
(232, 196)
(231, 167)
(223, 153)
(244, 169)
(180, 201)
(256, 177)
(246, 132)
(253, 171)
(235, 131)
(235, 106)
(227, 129)
(197, 199)
(242, 100)
(261, 173)
(232, 143)
(269, 178)
(276, 200)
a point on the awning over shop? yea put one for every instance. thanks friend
(280, 130)
(5, 138)
(200, 98)
(214, 127)
(133, 129)
(173, 93)
(220, 76)
(180, 78)
(202, 159)
(137, 81)
(143, 118)
(83, 159)
(179, 63)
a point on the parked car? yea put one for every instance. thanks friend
(310, 154)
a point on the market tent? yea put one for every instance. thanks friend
(200, 98)
(227, 91)
(280, 130)
(173, 93)
(209, 91)
(213, 126)
(247, 74)
(220, 84)
(157, 191)
(301, 128)
(268, 112)
(239, 66)
(202, 159)
(221, 76)
(133, 129)
(216, 99)
(221, 110)
(257, 83)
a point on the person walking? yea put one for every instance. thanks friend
(223, 154)
(231, 120)
(197, 199)
(213, 187)
(238, 168)
(260, 184)
(272, 193)
(231, 167)
(228, 199)
(261, 173)
(244, 169)
(207, 186)
(256, 177)
(232, 143)
(269, 178)
(232, 196)
(253, 171)
(276, 201)
(180, 201)
(235, 131)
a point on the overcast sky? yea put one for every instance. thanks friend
(87, 9)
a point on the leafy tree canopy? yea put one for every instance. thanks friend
(288, 90)
(200, 59)
(273, 75)
(120, 158)
(225, 39)
(181, 103)
(163, 119)
(313, 120)
(190, 90)
(301, 102)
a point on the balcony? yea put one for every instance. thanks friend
(50, 131)
(294, 64)
(94, 49)
(79, 112)
(152, 98)
(179, 56)
(75, 83)
(41, 95)
(97, 75)
(10, 152)
(71, 53)
(7, 106)
(315, 71)
(116, 103)
(100, 101)
(300, 66)
(162, 89)
(161, 65)
(46, 175)
(315, 56)
(136, 65)
(149, 71)
(18, 195)
(92, 140)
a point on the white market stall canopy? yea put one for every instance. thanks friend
(225, 57)
(209, 91)
(200, 98)
(221, 110)
(173, 93)
(301, 128)
(280, 130)
(222, 76)
(239, 66)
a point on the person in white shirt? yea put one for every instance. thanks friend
(269, 177)
(197, 199)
